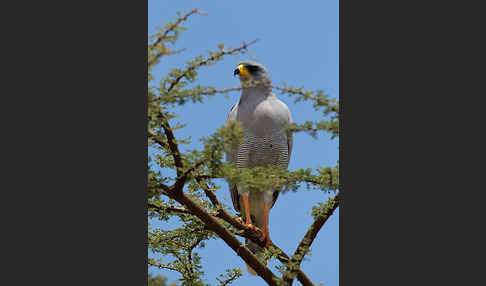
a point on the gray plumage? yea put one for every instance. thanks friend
(266, 141)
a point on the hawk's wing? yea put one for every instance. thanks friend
(231, 158)
(290, 143)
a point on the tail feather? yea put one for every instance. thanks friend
(255, 249)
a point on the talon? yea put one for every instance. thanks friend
(253, 227)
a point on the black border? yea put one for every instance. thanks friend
(77, 153)
(410, 208)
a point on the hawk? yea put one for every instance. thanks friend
(267, 142)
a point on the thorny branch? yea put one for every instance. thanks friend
(229, 280)
(165, 35)
(166, 53)
(232, 220)
(301, 93)
(208, 60)
(189, 252)
(210, 92)
(162, 266)
(223, 233)
(173, 146)
(168, 209)
(226, 236)
(163, 144)
(164, 187)
(248, 232)
(176, 23)
(192, 169)
(309, 237)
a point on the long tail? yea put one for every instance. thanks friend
(254, 248)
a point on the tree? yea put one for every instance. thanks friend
(180, 184)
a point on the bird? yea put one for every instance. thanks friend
(266, 142)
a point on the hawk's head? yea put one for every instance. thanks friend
(247, 70)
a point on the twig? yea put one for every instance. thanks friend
(160, 54)
(301, 93)
(309, 237)
(164, 36)
(176, 23)
(229, 280)
(168, 209)
(252, 55)
(158, 141)
(211, 92)
(172, 53)
(162, 266)
(191, 248)
(162, 186)
(192, 169)
(208, 60)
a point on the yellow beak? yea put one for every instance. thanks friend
(242, 71)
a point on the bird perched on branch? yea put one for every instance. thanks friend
(267, 142)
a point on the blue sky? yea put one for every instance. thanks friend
(299, 46)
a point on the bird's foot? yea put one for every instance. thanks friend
(253, 227)
(240, 220)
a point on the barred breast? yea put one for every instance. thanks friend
(263, 151)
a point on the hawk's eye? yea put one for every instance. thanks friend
(252, 69)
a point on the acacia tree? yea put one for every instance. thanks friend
(180, 184)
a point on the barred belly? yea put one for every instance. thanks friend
(263, 151)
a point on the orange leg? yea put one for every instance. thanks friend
(247, 213)
(266, 235)
(247, 209)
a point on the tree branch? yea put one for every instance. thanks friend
(222, 214)
(248, 232)
(176, 23)
(227, 237)
(210, 92)
(208, 60)
(163, 144)
(232, 220)
(164, 36)
(164, 187)
(191, 248)
(292, 178)
(174, 150)
(168, 209)
(163, 266)
(192, 169)
(308, 238)
(305, 96)
(230, 279)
